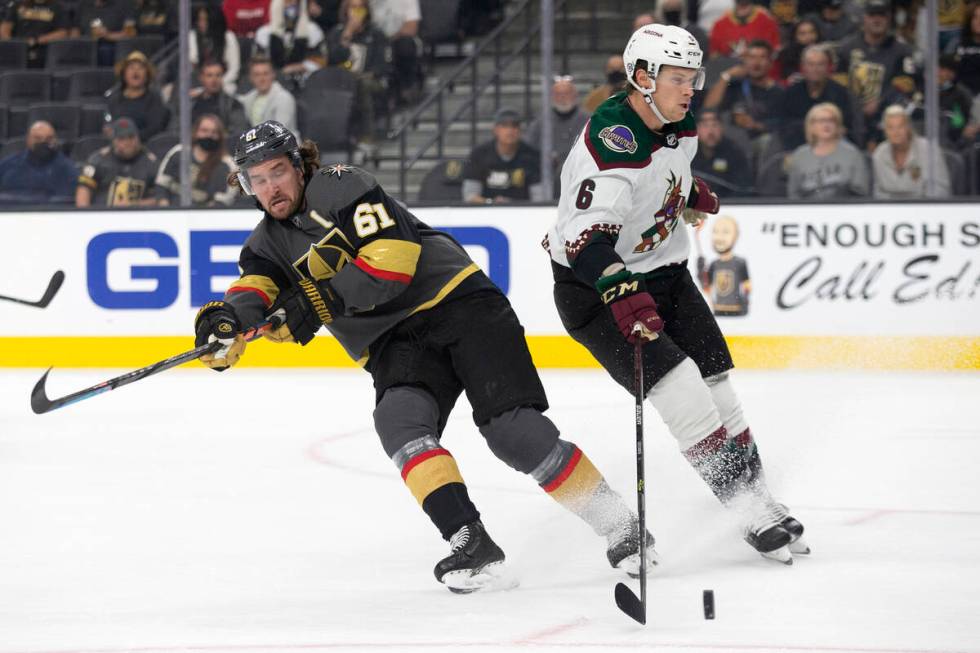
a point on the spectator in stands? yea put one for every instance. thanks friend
(399, 20)
(210, 167)
(326, 13)
(955, 102)
(121, 174)
(38, 21)
(973, 125)
(291, 40)
(268, 100)
(41, 174)
(106, 21)
(901, 162)
(211, 40)
(360, 46)
(966, 47)
(815, 88)
(736, 28)
(245, 17)
(833, 22)
(719, 159)
(505, 169)
(674, 12)
(880, 69)
(133, 97)
(210, 97)
(828, 166)
(803, 34)
(567, 121)
(707, 12)
(748, 92)
(156, 17)
(615, 82)
(643, 19)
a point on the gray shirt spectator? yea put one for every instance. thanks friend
(567, 121)
(268, 100)
(827, 167)
(901, 163)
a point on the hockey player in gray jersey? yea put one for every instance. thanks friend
(619, 255)
(407, 303)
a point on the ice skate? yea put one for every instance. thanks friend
(624, 548)
(476, 563)
(797, 544)
(766, 534)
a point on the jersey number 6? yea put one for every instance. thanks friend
(584, 199)
(370, 218)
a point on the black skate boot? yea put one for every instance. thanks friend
(624, 548)
(766, 534)
(797, 544)
(476, 562)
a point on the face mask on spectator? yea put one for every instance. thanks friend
(42, 152)
(673, 17)
(208, 144)
(291, 13)
(616, 77)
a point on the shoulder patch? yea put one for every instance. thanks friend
(618, 138)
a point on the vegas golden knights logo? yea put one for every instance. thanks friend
(124, 191)
(326, 258)
(724, 282)
(866, 77)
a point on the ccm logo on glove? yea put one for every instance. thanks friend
(627, 298)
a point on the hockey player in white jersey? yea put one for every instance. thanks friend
(619, 255)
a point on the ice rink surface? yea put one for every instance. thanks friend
(255, 512)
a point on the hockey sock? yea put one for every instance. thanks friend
(570, 478)
(431, 474)
(720, 463)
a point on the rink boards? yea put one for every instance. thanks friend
(893, 286)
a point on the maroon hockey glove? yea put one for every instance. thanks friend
(705, 199)
(626, 296)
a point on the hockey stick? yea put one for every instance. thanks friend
(41, 404)
(53, 286)
(625, 598)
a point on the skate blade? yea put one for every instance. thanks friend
(495, 577)
(799, 546)
(782, 554)
(631, 563)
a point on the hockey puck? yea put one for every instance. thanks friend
(708, 598)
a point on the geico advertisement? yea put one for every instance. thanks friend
(766, 270)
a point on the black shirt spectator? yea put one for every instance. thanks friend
(156, 17)
(803, 34)
(504, 169)
(134, 98)
(815, 88)
(750, 95)
(966, 47)
(210, 97)
(40, 174)
(121, 174)
(720, 160)
(955, 102)
(38, 21)
(210, 167)
(107, 21)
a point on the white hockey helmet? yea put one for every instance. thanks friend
(653, 46)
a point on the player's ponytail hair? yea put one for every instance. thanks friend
(309, 155)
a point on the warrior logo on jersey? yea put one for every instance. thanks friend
(326, 258)
(665, 219)
(618, 138)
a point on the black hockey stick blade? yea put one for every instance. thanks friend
(53, 286)
(629, 603)
(40, 403)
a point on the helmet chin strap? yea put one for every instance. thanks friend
(653, 105)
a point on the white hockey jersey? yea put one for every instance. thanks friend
(628, 182)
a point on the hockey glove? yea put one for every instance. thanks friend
(217, 321)
(627, 298)
(703, 198)
(308, 306)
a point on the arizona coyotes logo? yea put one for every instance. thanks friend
(326, 258)
(664, 219)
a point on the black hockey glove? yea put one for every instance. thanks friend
(308, 306)
(217, 321)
